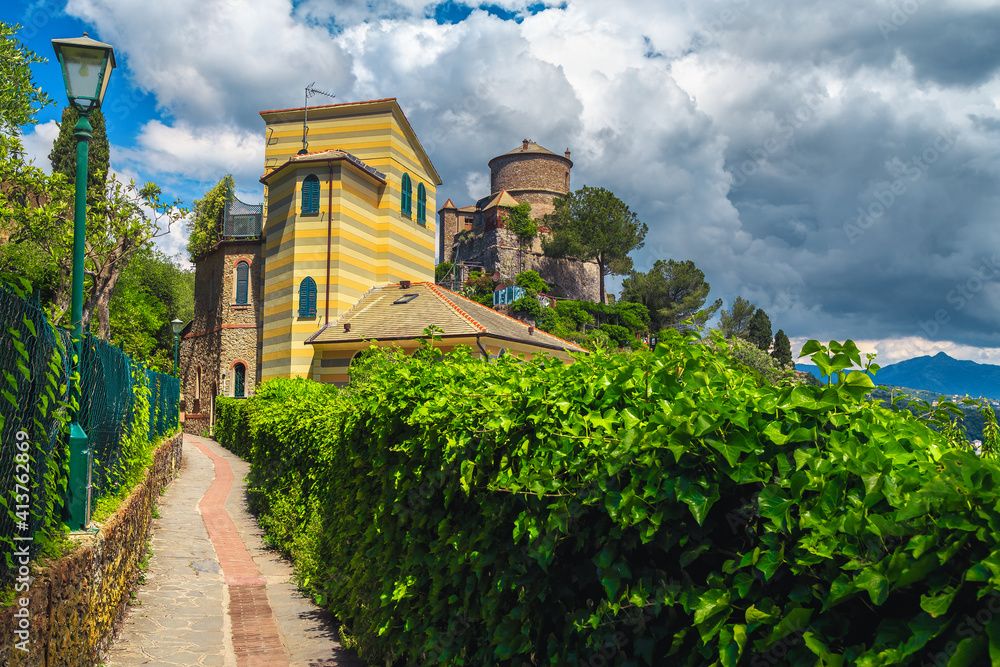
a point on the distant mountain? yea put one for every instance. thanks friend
(940, 374)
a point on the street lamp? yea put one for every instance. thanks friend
(86, 67)
(176, 325)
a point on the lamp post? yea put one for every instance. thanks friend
(176, 325)
(86, 66)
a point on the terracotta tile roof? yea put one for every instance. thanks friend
(502, 199)
(529, 146)
(320, 156)
(381, 315)
(447, 204)
(327, 106)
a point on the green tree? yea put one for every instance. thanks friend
(203, 227)
(593, 224)
(673, 292)
(736, 322)
(63, 153)
(782, 349)
(530, 280)
(20, 98)
(151, 291)
(760, 330)
(442, 270)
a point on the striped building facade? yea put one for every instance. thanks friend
(348, 206)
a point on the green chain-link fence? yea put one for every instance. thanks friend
(35, 368)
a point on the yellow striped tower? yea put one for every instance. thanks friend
(349, 208)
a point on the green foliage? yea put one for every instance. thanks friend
(655, 508)
(442, 270)
(673, 292)
(756, 362)
(203, 227)
(593, 224)
(151, 291)
(63, 153)
(479, 288)
(20, 98)
(760, 330)
(137, 447)
(782, 349)
(736, 322)
(520, 222)
(530, 280)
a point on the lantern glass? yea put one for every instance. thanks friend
(86, 67)
(176, 325)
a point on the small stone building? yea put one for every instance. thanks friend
(476, 236)
(220, 347)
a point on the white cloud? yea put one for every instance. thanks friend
(745, 134)
(202, 153)
(38, 144)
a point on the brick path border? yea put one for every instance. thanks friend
(255, 630)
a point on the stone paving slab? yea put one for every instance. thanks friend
(214, 594)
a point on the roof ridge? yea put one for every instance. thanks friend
(434, 288)
(513, 319)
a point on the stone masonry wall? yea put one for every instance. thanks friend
(498, 250)
(222, 332)
(529, 171)
(76, 603)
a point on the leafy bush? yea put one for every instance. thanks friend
(530, 280)
(661, 507)
(756, 361)
(231, 422)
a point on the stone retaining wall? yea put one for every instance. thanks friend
(77, 602)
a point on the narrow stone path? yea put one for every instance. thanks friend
(214, 595)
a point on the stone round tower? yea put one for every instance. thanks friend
(531, 174)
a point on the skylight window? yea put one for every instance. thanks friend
(406, 298)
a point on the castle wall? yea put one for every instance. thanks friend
(529, 171)
(499, 250)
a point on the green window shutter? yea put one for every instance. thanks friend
(242, 282)
(307, 297)
(406, 196)
(421, 204)
(239, 382)
(310, 195)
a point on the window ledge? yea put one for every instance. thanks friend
(241, 306)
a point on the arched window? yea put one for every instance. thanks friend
(196, 408)
(239, 380)
(421, 204)
(406, 197)
(310, 195)
(242, 282)
(307, 297)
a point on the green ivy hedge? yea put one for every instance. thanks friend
(646, 509)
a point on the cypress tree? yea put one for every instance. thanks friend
(760, 330)
(782, 352)
(63, 154)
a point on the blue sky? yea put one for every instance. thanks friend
(835, 163)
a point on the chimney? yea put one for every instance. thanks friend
(531, 330)
(524, 145)
(404, 284)
(567, 153)
(347, 327)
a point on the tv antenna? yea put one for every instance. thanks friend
(310, 91)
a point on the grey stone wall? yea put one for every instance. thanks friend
(499, 250)
(530, 171)
(222, 331)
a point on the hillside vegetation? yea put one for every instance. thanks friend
(643, 508)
